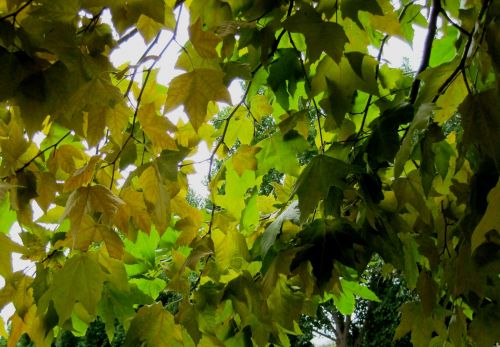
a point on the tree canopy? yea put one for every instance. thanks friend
(331, 157)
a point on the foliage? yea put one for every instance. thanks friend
(100, 150)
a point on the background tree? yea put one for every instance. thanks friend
(95, 160)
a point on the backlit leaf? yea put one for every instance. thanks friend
(194, 90)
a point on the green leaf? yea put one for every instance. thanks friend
(314, 182)
(285, 303)
(280, 153)
(351, 9)
(79, 281)
(308, 22)
(481, 123)
(291, 213)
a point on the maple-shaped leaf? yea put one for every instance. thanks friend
(155, 326)
(315, 181)
(203, 41)
(194, 90)
(79, 281)
(309, 23)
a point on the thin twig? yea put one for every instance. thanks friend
(139, 97)
(453, 23)
(369, 101)
(461, 66)
(16, 12)
(308, 85)
(40, 153)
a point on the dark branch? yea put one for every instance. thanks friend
(426, 56)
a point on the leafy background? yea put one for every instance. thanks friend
(332, 163)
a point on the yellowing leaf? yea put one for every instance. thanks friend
(156, 128)
(90, 232)
(156, 197)
(46, 188)
(65, 157)
(244, 159)
(490, 221)
(203, 41)
(240, 127)
(260, 107)
(7, 247)
(135, 208)
(82, 176)
(148, 27)
(117, 120)
(194, 90)
(155, 326)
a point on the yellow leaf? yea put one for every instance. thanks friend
(260, 107)
(93, 126)
(65, 157)
(90, 232)
(194, 90)
(156, 128)
(7, 247)
(388, 23)
(189, 59)
(91, 199)
(203, 41)
(83, 176)
(46, 188)
(13, 146)
(240, 127)
(156, 197)
(490, 221)
(244, 159)
(148, 27)
(135, 208)
(117, 120)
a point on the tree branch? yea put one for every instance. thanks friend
(426, 55)
(461, 65)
